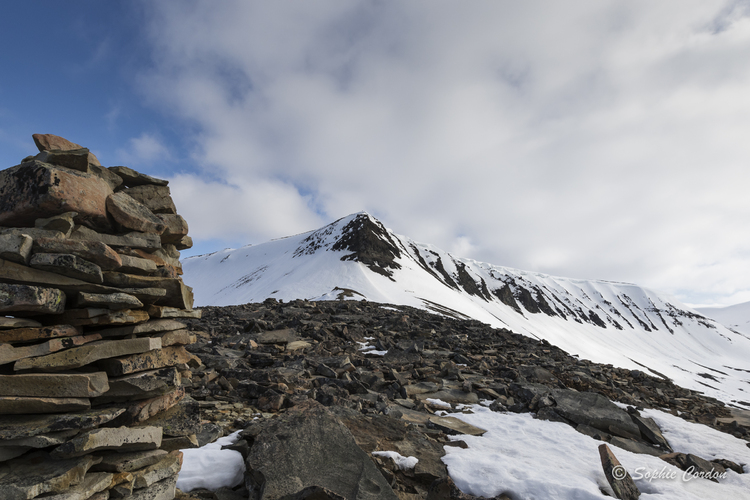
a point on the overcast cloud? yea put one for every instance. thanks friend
(603, 140)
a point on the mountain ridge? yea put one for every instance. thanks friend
(357, 257)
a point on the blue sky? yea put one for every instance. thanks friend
(603, 141)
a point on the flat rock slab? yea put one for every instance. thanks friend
(450, 396)
(93, 483)
(37, 474)
(9, 354)
(14, 323)
(26, 298)
(131, 240)
(623, 485)
(34, 190)
(133, 215)
(133, 178)
(137, 265)
(172, 312)
(67, 265)
(82, 356)
(114, 301)
(118, 438)
(68, 385)
(153, 326)
(593, 409)
(42, 440)
(22, 426)
(10, 272)
(176, 228)
(163, 490)
(16, 247)
(63, 223)
(168, 356)
(177, 337)
(21, 335)
(129, 461)
(168, 466)
(77, 159)
(452, 424)
(278, 336)
(18, 405)
(183, 419)
(143, 385)
(309, 446)
(93, 251)
(100, 316)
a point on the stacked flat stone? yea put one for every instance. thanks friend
(92, 352)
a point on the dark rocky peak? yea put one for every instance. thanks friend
(370, 243)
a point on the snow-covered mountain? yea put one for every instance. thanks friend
(736, 317)
(357, 257)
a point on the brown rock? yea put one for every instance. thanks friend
(617, 476)
(176, 228)
(85, 355)
(168, 466)
(31, 334)
(68, 385)
(41, 440)
(16, 247)
(143, 385)
(17, 323)
(146, 295)
(168, 356)
(157, 198)
(24, 298)
(8, 353)
(20, 405)
(133, 178)
(134, 239)
(176, 337)
(137, 265)
(92, 251)
(34, 189)
(109, 177)
(133, 215)
(119, 438)
(185, 243)
(178, 294)
(92, 484)
(49, 142)
(172, 312)
(129, 461)
(102, 317)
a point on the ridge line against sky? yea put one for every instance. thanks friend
(594, 141)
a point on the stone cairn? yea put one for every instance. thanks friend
(91, 355)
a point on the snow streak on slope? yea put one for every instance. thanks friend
(736, 317)
(358, 258)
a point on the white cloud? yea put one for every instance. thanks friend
(144, 149)
(589, 140)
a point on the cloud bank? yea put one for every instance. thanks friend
(602, 140)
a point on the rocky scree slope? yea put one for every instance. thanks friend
(357, 257)
(330, 379)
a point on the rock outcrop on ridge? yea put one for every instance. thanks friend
(92, 352)
(373, 372)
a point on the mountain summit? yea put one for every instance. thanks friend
(357, 257)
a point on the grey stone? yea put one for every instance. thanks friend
(651, 431)
(168, 466)
(67, 265)
(92, 251)
(136, 265)
(133, 215)
(133, 239)
(36, 474)
(101, 317)
(16, 247)
(128, 461)
(18, 405)
(63, 223)
(593, 409)
(50, 142)
(9, 354)
(10, 272)
(636, 446)
(67, 385)
(158, 199)
(152, 326)
(306, 447)
(42, 440)
(16, 323)
(163, 490)
(26, 298)
(109, 177)
(159, 358)
(142, 385)
(183, 419)
(133, 178)
(21, 426)
(454, 425)
(93, 483)
(77, 159)
(172, 312)
(176, 228)
(113, 301)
